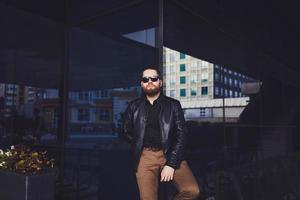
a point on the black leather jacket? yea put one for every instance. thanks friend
(172, 126)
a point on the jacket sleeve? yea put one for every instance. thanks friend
(127, 129)
(176, 153)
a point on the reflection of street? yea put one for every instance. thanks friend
(81, 139)
(92, 134)
(113, 178)
(116, 178)
(97, 168)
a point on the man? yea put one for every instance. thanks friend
(155, 127)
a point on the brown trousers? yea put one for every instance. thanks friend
(148, 177)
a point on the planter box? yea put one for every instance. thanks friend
(16, 186)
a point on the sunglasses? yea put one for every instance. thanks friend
(153, 79)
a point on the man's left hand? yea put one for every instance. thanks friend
(167, 174)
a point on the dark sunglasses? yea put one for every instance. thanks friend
(153, 79)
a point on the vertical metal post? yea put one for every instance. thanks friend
(14, 93)
(159, 38)
(63, 100)
(64, 87)
(225, 148)
(159, 43)
(225, 153)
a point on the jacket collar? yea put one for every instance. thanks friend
(158, 100)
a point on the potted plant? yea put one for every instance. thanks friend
(26, 174)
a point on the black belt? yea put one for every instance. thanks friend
(152, 148)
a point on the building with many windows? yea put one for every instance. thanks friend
(198, 84)
(187, 78)
(22, 98)
(94, 111)
(99, 111)
(91, 111)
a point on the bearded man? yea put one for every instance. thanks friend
(155, 127)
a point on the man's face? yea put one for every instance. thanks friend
(152, 86)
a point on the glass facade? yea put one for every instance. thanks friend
(69, 69)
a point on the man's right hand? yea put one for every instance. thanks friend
(167, 174)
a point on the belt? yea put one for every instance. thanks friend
(152, 148)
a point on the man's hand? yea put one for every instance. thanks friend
(167, 174)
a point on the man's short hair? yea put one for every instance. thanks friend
(152, 68)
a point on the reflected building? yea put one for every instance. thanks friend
(200, 87)
(21, 98)
(121, 98)
(10, 93)
(99, 111)
(91, 111)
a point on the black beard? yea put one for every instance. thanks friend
(152, 92)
